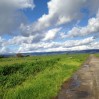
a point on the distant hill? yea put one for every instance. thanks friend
(92, 51)
(65, 52)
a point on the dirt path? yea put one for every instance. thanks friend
(84, 84)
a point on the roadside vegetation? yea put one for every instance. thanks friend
(37, 77)
(97, 55)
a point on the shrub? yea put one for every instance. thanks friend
(19, 55)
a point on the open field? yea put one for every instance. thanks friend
(37, 77)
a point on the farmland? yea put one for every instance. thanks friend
(36, 77)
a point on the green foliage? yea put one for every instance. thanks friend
(1, 56)
(37, 77)
(97, 55)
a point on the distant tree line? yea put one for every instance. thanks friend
(17, 55)
(1, 56)
(21, 55)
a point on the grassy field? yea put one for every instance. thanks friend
(37, 77)
(97, 55)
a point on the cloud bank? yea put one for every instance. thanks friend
(46, 33)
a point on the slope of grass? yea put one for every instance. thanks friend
(37, 77)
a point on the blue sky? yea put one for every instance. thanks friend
(48, 25)
(38, 11)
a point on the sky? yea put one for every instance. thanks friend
(48, 25)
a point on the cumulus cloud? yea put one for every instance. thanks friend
(24, 44)
(1, 39)
(51, 34)
(19, 4)
(4, 50)
(61, 12)
(11, 16)
(42, 34)
(92, 27)
(46, 35)
(1, 42)
(45, 46)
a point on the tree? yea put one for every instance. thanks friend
(1, 56)
(19, 55)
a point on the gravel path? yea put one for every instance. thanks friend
(85, 82)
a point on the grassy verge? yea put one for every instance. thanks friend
(97, 55)
(38, 77)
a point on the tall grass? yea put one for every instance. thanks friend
(97, 55)
(37, 77)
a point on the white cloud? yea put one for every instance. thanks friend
(54, 46)
(20, 40)
(4, 50)
(41, 34)
(51, 34)
(92, 27)
(35, 39)
(61, 12)
(25, 45)
(46, 35)
(1, 40)
(19, 4)
(11, 16)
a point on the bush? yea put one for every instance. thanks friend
(19, 55)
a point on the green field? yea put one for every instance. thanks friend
(97, 55)
(37, 77)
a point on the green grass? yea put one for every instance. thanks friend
(37, 77)
(97, 55)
